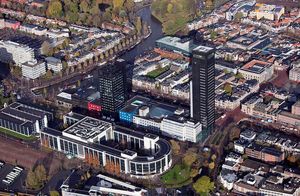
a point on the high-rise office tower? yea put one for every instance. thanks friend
(112, 87)
(203, 89)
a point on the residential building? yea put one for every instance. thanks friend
(54, 64)
(17, 53)
(258, 70)
(269, 12)
(202, 91)
(294, 74)
(33, 69)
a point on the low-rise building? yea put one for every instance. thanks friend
(99, 185)
(33, 69)
(294, 74)
(259, 70)
(24, 119)
(54, 64)
(13, 52)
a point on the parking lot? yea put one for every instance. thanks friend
(17, 184)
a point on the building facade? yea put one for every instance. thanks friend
(14, 52)
(93, 140)
(203, 88)
(112, 87)
(33, 69)
(24, 119)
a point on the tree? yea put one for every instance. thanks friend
(203, 185)
(194, 172)
(54, 193)
(46, 49)
(239, 76)
(72, 16)
(170, 8)
(41, 174)
(48, 74)
(228, 89)
(213, 34)
(129, 5)
(122, 13)
(16, 71)
(189, 158)
(211, 165)
(31, 181)
(118, 3)
(293, 159)
(84, 6)
(138, 25)
(213, 157)
(55, 9)
(234, 134)
(175, 147)
(238, 16)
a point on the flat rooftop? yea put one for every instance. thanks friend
(256, 66)
(88, 128)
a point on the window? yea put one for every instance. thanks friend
(152, 167)
(158, 165)
(75, 149)
(132, 168)
(122, 165)
(145, 168)
(139, 167)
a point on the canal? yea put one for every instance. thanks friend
(149, 43)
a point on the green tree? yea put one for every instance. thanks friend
(170, 8)
(228, 89)
(213, 34)
(211, 165)
(129, 5)
(54, 193)
(239, 76)
(203, 185)
(118, 3)
(238, 16)
(122, 13)
(84, 6)
(55, 9)
(72, 17)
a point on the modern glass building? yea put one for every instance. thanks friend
(203, 89)
(112, 87)
(102, 145)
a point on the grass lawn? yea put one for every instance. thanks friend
(10, 133)
(157, 72)
(177, 175)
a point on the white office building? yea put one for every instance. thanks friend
(14, 52)
(181, 129)
(33, 69)
(54, 64)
